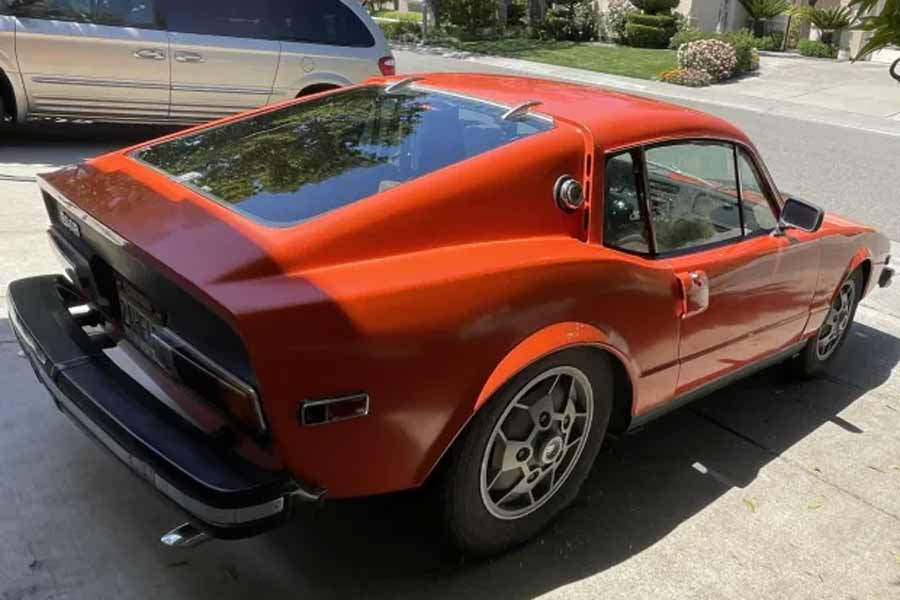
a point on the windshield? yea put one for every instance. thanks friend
(298, 162)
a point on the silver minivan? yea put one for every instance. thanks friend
(178, 61)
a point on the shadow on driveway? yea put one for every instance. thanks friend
(642, 487)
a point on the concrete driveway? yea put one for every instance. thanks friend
(768, 489)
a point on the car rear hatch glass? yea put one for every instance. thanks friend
(294, 163)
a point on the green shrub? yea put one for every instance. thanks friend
(745, 49)
(650, 31)
(642, 36)
(653, 7)
(516, 12)
(470, 14)
(770, 43)
(687, 35)
(686, 77)
(572, 21)
(661, 21)
(401, 31)
(816, 49)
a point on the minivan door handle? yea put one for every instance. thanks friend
(694, 290)
(150, 54)
(189, 57)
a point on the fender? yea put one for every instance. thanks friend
(543, 343)
(536, 346)
(862, 255)
(817, 315)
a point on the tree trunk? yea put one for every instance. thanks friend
(537, 10)
(724, 12)
(434, 7)
(502, 13)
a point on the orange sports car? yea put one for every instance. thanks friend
(465, 277)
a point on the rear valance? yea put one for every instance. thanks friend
(295, 163)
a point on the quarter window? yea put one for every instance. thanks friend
(693, 195)
(758, 215)
(623, 224)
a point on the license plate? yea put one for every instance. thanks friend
(139, 320)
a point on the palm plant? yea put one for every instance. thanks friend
(884, 28)
(761, 11)
(827, 20)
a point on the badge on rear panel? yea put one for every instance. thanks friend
(70, 223)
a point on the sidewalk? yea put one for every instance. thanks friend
(861, 96)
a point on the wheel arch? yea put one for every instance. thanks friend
(861, 260)
(544, 343)
(317, 88)
(8, 94)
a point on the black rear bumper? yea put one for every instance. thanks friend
(222, 493)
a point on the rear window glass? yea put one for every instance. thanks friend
(303, 160)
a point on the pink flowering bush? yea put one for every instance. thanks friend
(714, 57)
(687, 77)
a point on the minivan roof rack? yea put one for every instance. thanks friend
(399, 85)
(519, 110)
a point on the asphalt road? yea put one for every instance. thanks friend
(767, 489)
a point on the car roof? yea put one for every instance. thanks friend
(615, 120)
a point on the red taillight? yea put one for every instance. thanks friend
(387, 65)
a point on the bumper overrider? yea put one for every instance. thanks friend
(222, 493)
(887, 277)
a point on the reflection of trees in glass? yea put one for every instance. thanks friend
(282, 151)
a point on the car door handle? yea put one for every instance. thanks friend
(189, 57)
(694, 290)
(150, 54)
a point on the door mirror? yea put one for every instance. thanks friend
(802, 215)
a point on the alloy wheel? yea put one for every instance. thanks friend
(536, 442)
(838, 320)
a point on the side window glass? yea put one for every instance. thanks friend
(693, 195)
(63, 10)
(623, 224)
(230, 18)
(758, 215)
(327, 22)
(125, 13)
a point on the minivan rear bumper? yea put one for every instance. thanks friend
(221, 492)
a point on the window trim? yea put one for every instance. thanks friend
(773, 196)
(640, 182)
(766, 192)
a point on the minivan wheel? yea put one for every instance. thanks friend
(527, 452)
(821, 349)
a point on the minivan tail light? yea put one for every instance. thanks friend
(388, 66)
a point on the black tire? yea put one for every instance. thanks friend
(472, 527)
(810, 363)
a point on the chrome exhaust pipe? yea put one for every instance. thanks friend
(185, 536)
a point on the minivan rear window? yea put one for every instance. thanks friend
(297, 162)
